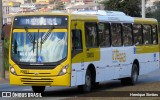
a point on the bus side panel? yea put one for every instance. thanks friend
(148, 57)
(128, 56)
(105, 65)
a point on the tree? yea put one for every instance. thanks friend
(154, 11)
(129, 7)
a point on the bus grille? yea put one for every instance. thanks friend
(36, 81)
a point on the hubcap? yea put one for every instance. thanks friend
(135, 76)
(88, 82)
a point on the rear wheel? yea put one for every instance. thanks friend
(38, 89)
(134, 77)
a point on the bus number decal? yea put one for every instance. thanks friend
(90, 55)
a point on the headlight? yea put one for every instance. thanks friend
(12, 70)
(63, 70)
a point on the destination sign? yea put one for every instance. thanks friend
(40, 20)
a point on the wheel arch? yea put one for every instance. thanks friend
(92, 69)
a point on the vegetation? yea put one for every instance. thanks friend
(133, 8)
(6, 53)
(129, 7)
(154, 11)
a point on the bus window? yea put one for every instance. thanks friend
(76, 39)
(147, 34)
(137, 33)
(154, 34)
(116, 30)
(104, 34)
(91, 34)
(127, 34)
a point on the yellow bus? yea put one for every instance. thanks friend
(81, 49)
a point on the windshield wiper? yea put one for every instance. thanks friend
(46, 35)
(30, 37)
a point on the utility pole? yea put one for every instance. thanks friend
(2, 69)
(143, 9)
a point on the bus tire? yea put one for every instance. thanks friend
(134, 77)
(38, 89)
(88, 82)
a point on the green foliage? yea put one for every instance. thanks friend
(154, 12)
(129, 7)
(6, 53)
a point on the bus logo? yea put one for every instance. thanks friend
(118, 56)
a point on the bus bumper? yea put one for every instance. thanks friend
(63, 80)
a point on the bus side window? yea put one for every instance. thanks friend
(104, 34)
(116, 30)
(137, 33)
(127, 35)
(91, 35)
(147, 34)
(154, 34)
(76, 39)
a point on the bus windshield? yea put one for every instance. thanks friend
(40, 49)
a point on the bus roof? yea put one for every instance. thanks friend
(100, 15)
(40, 13)
(115, 16)
(145, 20)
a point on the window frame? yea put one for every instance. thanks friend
(97, 35)
(156, 26)
(131, 27)
(121, 34)
(105, 23)
(134, 34)
(150, 34)
(80, 39)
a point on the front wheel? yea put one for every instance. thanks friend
(88, 83)
(38, 89)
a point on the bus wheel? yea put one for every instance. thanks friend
(134, 75)
(133, 79)
(88, 82)
(38, 89)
